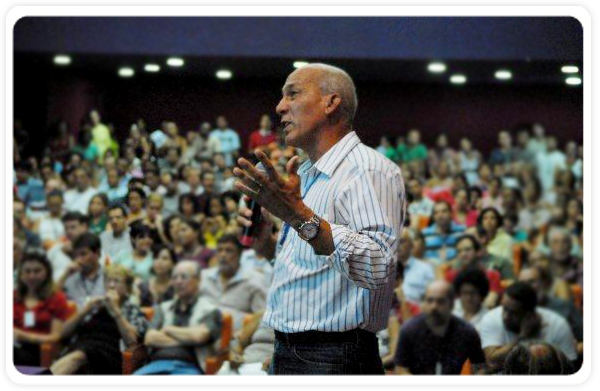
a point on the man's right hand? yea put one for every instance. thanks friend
(263, 235)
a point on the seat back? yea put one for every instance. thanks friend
(213, 363)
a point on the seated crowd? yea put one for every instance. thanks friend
(130, 249)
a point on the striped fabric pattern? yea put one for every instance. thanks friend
(361, 194)
(435, 241)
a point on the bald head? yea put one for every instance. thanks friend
(439, 288)
(186, 279)
(191, 268)
(333, 80)
(438, 303)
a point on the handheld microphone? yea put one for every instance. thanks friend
(247, 238)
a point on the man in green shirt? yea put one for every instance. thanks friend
(414, 149)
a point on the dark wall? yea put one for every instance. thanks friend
(508, 38)
(475, 111)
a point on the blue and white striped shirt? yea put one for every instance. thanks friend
(361, 194)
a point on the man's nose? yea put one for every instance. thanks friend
(282, 106)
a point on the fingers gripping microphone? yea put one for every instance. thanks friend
(247, 238)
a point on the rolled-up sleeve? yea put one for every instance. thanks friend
(373, 204)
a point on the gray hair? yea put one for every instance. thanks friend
(336, 80)
(195, 265)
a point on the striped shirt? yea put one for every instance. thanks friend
(436, 241)
(361, 194)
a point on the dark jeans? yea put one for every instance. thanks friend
(354, 352)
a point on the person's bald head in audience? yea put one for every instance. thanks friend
(438, 303)
(186, 279)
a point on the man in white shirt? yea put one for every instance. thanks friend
(420, 207)
(519, 319)
(51, 228)
(417, 273)
(547, 163)
(75, 224)
(229, 141)
(78, 199)
(118, 239)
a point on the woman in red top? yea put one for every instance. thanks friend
(39, 310)
(463, 214)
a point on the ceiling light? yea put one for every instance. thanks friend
(300, 64)
(152, 68)
(62, 59)
(437, 67)
(573, 81)
(458, 79)
(569, 69)
(503, 74)
(126, 72)
(224, 74)
(175, 62)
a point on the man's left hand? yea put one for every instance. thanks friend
(279, 196)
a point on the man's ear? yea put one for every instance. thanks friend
(332, 103)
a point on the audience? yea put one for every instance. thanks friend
(150, 201)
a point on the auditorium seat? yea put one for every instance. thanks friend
(213, 363)
(148, 312)
(517, 258)
(466, 368)
(577, 292)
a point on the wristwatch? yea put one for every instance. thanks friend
(309, 229)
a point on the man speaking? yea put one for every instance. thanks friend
(343, 212)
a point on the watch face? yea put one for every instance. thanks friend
(309, 231)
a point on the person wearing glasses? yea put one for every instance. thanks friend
(184, 329)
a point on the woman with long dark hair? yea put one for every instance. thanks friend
(158, 288)
(192, 244)
(39, 310)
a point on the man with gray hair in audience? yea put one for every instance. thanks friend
(183, 330)
(563, 264)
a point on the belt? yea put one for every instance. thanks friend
(307, 337)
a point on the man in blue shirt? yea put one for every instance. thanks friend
(440, 237)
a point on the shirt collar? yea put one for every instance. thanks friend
(328, 163)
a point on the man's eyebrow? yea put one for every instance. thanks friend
(288, 87)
